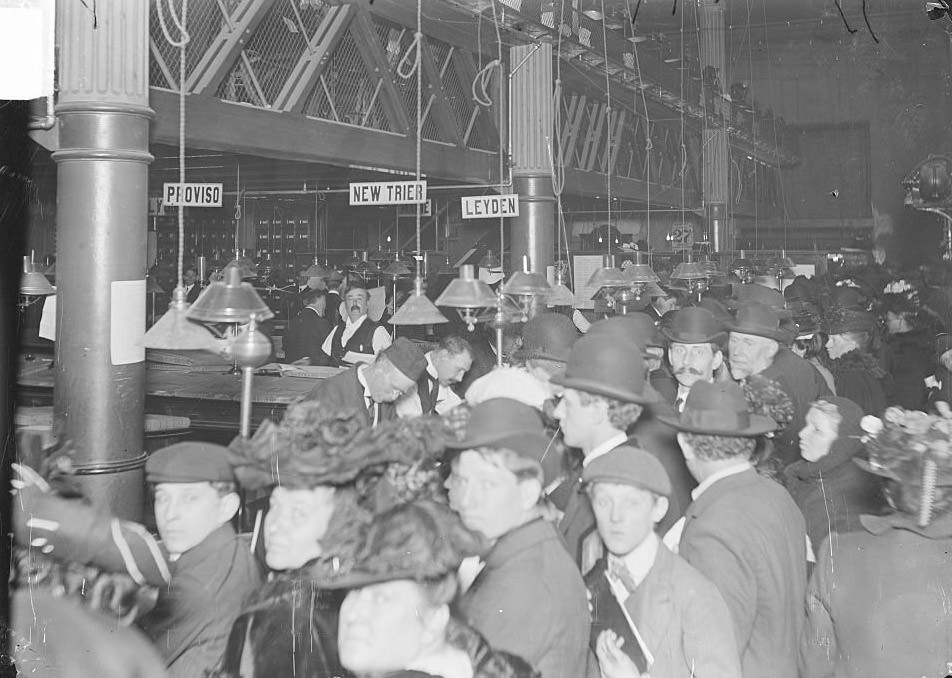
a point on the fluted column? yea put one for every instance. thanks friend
(713, 38)
(102, 179)
(533, 231)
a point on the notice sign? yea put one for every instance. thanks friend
(489, 206)
(192, 195)
(388, 193)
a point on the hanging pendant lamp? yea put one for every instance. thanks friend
(174, 331)
(32, 282)
(467, 295)
(560, 294)
(229, 301)
(418, 309)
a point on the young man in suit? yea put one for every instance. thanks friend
(308, 330)
(742, 531)
(681, 616)
(445, 366)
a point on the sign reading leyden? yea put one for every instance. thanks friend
(388, 193)
(489, 206)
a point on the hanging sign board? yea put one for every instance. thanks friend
(426, 210)
(490, 206)
(388, 193)
(192, 195)
(681, 237)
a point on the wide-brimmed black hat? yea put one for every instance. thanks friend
(719, 409)
(695, 325)
(840, 319)
(759, 320)
(606, 366)
(639, 327)
(422, 541)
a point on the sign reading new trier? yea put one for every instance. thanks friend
(388, 193)
(488, 206)
(191, 195)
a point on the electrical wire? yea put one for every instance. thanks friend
(639, 88)
(609, 131)
(502, 142)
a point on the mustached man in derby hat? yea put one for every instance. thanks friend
(529, 598)
(396, 619)
(742, 531)
(213, 569)
(682, 618)
(372, 389)
(696, 351)
(759, 345)
(605, 400)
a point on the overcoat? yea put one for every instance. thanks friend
(344, 392)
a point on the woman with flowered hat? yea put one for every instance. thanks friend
(877, 602)
(396, 619)
(328, 474)
(857, 373)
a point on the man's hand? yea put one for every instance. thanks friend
(612, 661)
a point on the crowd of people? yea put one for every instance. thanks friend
(690, 489)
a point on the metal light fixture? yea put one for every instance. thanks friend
(229, 301)
(250, 349)
(246, 267)
(174, 331)
(744, 270)
(694, 277)
(608, 276)
(525, 286)
(559, 294)
(418, 309)
(316, 270)
(467, 295)
(32, 282)
(643, 279)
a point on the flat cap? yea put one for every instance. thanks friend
(189, 462)
(627, 465)
(406, 356)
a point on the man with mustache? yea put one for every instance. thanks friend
(696, 352)
(357, 339)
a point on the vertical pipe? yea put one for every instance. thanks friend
(715, 156)
(247, 375)
(102, 179)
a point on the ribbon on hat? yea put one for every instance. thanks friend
(716, 420)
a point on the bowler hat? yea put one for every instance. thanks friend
(695, 325)
(760, 294)
(548, 336)
(189, 462)
(759, 320)
(512, 425)
(627, 465)
(421, 541)
(606, 366)
(719, 409)
(406, 356)
(637, 326)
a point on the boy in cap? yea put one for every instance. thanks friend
(529, 598)
(742, 531)
(682, 618)
(212, 569)
(372, 389)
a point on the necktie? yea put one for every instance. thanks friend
(371, 408)
(679, 404)
(434, 391)
(619, 571)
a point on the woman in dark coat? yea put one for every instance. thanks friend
(832, 491)
(909, 354)
(857, 373)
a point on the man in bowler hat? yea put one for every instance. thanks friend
(372, 389)
(682, 618)
(213, 571)
(742, 531)
(604, 397)
(529, 598)
(696, 352)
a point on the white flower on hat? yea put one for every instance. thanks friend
(871, 425)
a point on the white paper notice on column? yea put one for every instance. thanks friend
(127, 322)
(48, 319)
(26, 49)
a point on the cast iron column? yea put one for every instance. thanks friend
(102, 180)
(533, 231)
(715, 155)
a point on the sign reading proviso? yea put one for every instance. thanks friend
(489, 206)
(388, 193)
(191, 195)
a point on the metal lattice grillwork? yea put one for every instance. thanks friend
(269, 56)
(346, 92)
(458, 97)
(205, 22)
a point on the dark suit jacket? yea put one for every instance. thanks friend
(305, 334)
(344, 392)
(210, 584)
(681, 617)
(747, 535)
(193, 293)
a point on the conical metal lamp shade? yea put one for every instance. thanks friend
(466, 291)
(689, 270)
(418, 309)
(229, 301)
(315, 270)
(559, 295)
(32, 282)
(174, 331)
(397, 269)
(245, 266)
(641, 273)
(522, 283)
(608, 277)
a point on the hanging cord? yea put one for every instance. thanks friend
(868, 25)
(610, 131)
(502, 158)
(418, 39)
(481, 83)
(640, 87)
(846, 23)
(183, 40)
(783, 198)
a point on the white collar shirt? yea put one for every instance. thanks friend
(604, 448)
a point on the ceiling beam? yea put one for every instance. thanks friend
(590, 184)
(220, 56)
(217, 125)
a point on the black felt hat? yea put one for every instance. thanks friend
(695, 325)
(719, 409)
(607, 366)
